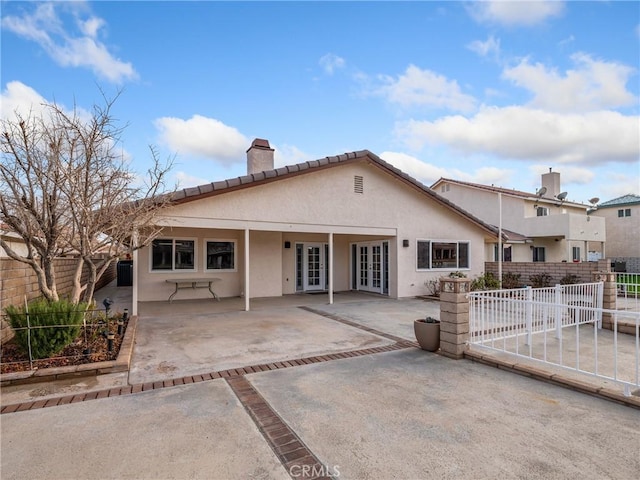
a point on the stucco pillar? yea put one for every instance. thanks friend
(330, 262)
(246, 270)
(608, 296)
(134, 280)
(454, 316)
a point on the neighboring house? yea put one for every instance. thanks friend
(15, 242)
(347, 222)
(540, 227)
(622, 218)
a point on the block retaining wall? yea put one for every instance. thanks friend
(557, 270)
(18, 280)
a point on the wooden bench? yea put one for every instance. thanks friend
(202, 282)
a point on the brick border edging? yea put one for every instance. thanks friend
(288, 447)
(120, 364)
(554, 378)
(231, 372)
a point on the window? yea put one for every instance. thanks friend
(450, 255)
(542, 211)
(506, 253)
(171, 254)
(575, 254)
(624, 212)
(220, 255)
(538, 254)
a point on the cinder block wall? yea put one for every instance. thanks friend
(557, 270)
(18, 281)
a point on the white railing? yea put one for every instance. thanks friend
(560, 326)
(628, 291)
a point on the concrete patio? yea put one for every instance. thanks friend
(363, 404)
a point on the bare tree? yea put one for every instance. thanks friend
(66, 188)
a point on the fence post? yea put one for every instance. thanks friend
(454, 316)
(558, 301)
(609, 292)
(528, 309)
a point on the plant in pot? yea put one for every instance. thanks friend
(427, 331)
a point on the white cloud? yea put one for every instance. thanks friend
(203, 136)
(184, 180)
(592, 85)
(330, 62)
(568, 174)
(418, 87)
(20, 98)
(24, 100)
(491, 47)
(618, 185)
(529, 134)
(289, 155)
(428, 173)
(515, 13)
(67, 48)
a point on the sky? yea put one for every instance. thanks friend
(488, 92)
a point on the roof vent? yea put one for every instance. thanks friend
(358, 184)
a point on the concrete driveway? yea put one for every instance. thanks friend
(370, 413)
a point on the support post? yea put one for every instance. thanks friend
(331, 269)
(246, 270)
(136, 265)
(454, 316)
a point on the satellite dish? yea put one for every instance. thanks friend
(561, 196)
(542, 191)
(594, 200)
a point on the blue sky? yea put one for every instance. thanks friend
(488, 92)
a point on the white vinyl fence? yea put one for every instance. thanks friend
(560, 326)
(628, 291)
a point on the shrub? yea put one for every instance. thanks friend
(54, 325)
(485, 282)
(511, 280)
(433, 287)
(540, 280)
(569, 279)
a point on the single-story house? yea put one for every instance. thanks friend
(346, 222)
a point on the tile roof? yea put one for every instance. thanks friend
(246, 181)
(506, 191)
(490, 188)
(629, 199)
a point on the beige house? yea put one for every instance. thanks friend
(347, 222)
(622, 217)
(540, 227)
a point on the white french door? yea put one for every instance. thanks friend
(370, 267)
(314, 266)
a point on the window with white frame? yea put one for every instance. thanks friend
(170, 254)
(542, 211)
(624, 212)
(431, 254)
(220, 255)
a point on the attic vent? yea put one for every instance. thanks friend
(358, 184)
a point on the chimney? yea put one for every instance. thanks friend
(259, 156)
(551, 180)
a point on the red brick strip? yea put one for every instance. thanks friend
(227, 374)
(295, 456)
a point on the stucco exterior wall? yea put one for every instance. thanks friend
(622, 232)
(305, 208)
